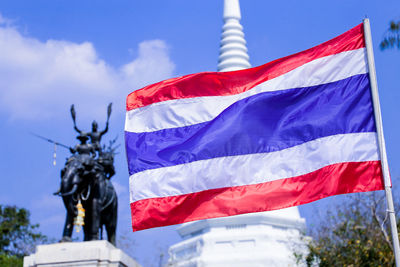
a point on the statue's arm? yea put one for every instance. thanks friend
(111, 172)
(72, 150)
(105, 130)
(76, 129)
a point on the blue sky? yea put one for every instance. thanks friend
(90, 53)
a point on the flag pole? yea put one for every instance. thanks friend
(381, 140)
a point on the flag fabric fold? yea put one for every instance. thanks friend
(286, 133)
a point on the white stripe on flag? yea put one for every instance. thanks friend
(253, 168)
(189, 111)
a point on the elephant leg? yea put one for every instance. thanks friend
(68, 227)
(111, 228)
(111, 222)
(95, 202)
(95, 215)
(86, 229)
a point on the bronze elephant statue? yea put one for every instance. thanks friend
(86, 179)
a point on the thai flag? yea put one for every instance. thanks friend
(286, 133)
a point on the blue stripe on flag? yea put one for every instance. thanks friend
(262, 123)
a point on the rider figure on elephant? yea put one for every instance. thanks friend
(86, 153)
(95, 135)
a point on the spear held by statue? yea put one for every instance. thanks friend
(55, 145)
(50, 140)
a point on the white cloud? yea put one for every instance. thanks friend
(152, 62)
(40, 80)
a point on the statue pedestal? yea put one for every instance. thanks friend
(89, 253)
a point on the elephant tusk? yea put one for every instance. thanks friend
(73, 190)
(58, 192)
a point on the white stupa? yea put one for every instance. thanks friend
(233, 51)
(255, 239)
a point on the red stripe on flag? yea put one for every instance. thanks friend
(341, 178)
(230, 83)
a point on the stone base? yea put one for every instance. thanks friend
(89, 253)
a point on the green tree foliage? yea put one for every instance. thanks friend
(10, 260)
(391, 38)
(355, 233)
(18, 237)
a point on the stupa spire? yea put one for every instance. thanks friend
(233, 51)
